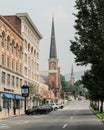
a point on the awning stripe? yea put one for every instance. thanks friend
(12, 96)
(7, 95)
(19, 97)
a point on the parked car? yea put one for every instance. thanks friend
(61, 106)
(54, 106)
(31, 111)
(43, 109)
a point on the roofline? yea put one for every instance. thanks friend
(9, 25)
(30, 21)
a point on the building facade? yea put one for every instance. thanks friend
(11, 69)
(31, 37)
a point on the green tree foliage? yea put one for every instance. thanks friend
(88, 44)
(89, 37)
(65, 86)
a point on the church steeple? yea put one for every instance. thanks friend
(53, 75)
(53, 52)
(72, 80)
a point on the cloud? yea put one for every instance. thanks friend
(60, 15)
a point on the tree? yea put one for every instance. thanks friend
(89, 36)
(65, 86)
(88, 43)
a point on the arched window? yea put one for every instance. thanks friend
(3, 37)
(12, 46)
(8, 40)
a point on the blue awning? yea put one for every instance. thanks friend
(8, 95)
(19, 97)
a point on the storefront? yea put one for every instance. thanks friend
(11, 104)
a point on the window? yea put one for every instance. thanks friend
(12, 46)
(3, 77)
(25, 58)
(3, 36)
(20, 82)
(20, 68)
(26, 71)
(3, 60)
(16, 81)
(52, 66)
(6, 103)
(8, 79)
(13, 78)
(12, 64)
(25, 44)
(8, 62)
(8, 40)
(16, 67)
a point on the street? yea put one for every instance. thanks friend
(75, 116)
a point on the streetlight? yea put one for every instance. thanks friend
(25, 94)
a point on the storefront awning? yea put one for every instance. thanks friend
(19, 97)
(12, 96)
(7, 95)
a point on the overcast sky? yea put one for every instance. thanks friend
(40, 11)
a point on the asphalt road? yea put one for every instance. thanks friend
(75, 116)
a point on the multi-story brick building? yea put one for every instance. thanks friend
(11, 69)
(31, 37)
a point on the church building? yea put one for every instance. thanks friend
(54, 70)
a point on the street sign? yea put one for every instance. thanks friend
(25, 91)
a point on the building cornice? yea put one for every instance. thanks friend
(26, 16)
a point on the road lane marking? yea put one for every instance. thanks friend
(71, 117)
(4, 126)
(64, 126)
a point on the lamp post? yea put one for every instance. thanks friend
(25, 94)
(14, 105)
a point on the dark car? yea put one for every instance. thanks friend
(31, 111)
(44, 109)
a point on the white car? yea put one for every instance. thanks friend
(54, 106)
(61, 106)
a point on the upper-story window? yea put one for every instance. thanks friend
(32, 50)
(17, 49)
(25, 44)
(3, 77)
(29, 47)
(8, 62)
(12, 46)
(25, 58)
(34, 53)
(3, 59)
(17, 81)
(8, 40)
(16, 66)
(8, 79)
(3, 38)
(53, 66)
(13, 80)
(13, 62)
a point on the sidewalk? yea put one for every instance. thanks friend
(9, 116)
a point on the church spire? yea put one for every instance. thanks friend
(72, 80)
(53, 52)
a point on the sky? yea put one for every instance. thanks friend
(41, 11)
